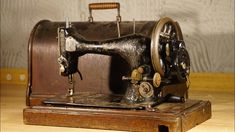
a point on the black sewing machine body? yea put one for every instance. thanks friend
(109, 74)
(143, 83)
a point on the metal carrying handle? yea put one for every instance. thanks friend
(103, 6)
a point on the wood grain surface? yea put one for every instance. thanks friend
(207, 26)
(13, 102)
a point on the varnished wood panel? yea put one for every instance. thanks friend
(176, 117)
(13, 102)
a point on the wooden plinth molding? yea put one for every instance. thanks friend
(173, 117)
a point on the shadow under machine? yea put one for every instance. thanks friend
(106, 75)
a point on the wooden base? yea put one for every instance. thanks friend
(173, 117)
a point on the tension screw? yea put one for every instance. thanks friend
(140, 70)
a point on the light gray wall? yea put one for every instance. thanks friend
(207, 25)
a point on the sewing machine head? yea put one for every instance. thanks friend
(155, 61)
(128, 70)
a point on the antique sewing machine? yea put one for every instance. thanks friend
(107, 74)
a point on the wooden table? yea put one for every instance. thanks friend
(13, 102)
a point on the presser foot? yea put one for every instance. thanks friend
(71, 85)
(70, 93)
